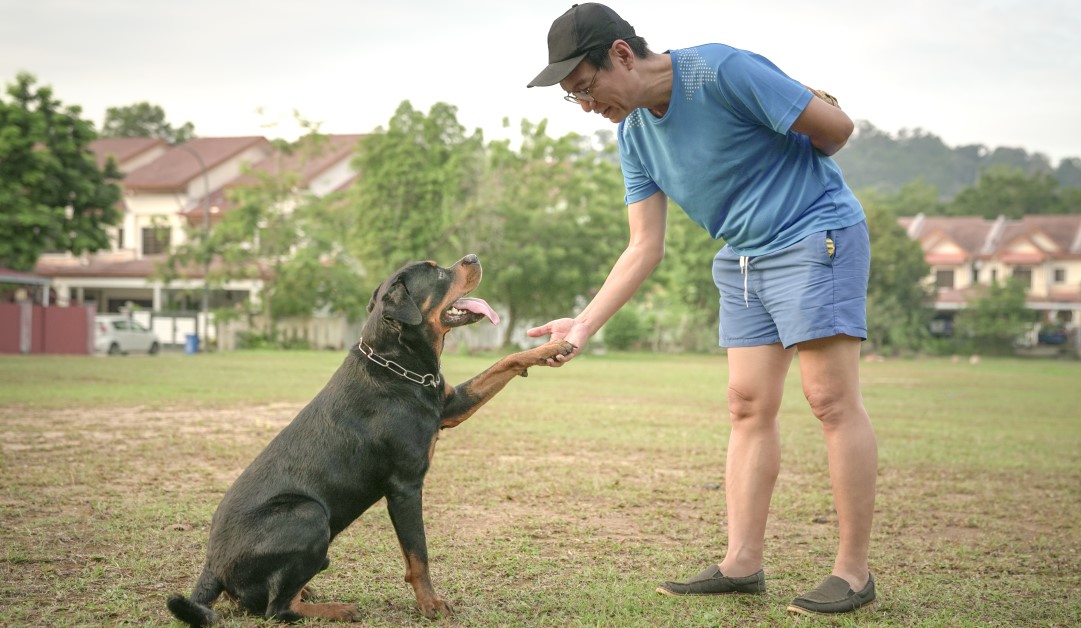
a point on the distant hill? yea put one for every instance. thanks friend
(876, 159)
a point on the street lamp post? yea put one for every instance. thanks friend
(206, 237)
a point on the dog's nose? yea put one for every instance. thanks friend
(470, 259)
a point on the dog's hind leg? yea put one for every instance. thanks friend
(331, 611)
(299, 556)
(308, 594)
(196, 611)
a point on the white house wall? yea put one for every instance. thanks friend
(223, 173)
(133, 164)
(332, 178)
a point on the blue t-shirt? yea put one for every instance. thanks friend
(724, 152)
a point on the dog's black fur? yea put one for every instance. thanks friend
(370, 433)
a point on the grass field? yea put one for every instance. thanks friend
(563, 502)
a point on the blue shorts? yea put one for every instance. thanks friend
(816, 288)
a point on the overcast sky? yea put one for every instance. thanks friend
(992, 72)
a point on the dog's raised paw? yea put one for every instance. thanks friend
(555, 348)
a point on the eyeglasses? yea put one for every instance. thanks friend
(584, 95)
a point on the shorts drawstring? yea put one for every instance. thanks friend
(744, 264)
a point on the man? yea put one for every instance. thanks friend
(744, 150)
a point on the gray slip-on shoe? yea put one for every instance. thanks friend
(834, 595)
(712, 582)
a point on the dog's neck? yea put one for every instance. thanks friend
(406, 348)
(432, 379)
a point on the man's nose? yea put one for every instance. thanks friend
(587, 105)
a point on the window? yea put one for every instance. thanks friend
(1023, 276)
(120, 238)
(1060, 275)
(944, 279)
(156, 240)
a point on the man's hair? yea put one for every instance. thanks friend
(598, 57)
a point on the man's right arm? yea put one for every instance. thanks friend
(648, 220)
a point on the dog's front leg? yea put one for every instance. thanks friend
(404, 505)
(466, 398)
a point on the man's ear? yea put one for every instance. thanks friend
(399, 306)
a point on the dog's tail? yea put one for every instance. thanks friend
(196, 611)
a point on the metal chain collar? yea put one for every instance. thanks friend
(427, 379)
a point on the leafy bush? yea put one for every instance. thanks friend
(625, 330)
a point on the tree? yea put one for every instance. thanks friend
(54, 196)
(1068, 173)
(681, 293)
(320, 274)
(143, 120)
(913, 198)
(277, 233)
(415, 178)
(1008, 192)
(991, 322)
(548, 221)
(875, 159)
(897, 312)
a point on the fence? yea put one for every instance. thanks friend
(29, 328)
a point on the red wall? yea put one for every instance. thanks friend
(61, 330)
(10, 317)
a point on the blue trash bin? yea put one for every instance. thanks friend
(191, 344)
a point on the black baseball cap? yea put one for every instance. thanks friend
(576, 32)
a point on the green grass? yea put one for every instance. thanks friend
(563, 502)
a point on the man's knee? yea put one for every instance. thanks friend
(833, 406)
(745, 407)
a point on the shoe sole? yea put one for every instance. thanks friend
(664, 591)
(799, 610)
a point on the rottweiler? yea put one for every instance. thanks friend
(370, 433)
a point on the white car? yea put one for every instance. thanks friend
(117, 334)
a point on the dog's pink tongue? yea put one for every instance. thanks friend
(477, 306)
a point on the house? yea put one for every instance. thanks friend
(1042, 252)
(166, 189)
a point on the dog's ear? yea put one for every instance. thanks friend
(371, 302)
(399, 306)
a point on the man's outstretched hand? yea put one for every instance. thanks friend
(566, 329)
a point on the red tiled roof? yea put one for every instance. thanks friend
(177, 167)
(138, 268)
(99, 268)
(14, 276)
(945, 259)
(310, 161)
(122, 149)
(971, 234)
(337, 148)
(968, 232)
(1022, 257)
(1061, 229)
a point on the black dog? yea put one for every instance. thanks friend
(370, 433)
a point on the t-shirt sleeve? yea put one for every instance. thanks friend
(760, 91)
(637, 181)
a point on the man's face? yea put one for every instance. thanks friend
(599, 91)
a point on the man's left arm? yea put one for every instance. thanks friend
(824, 124)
